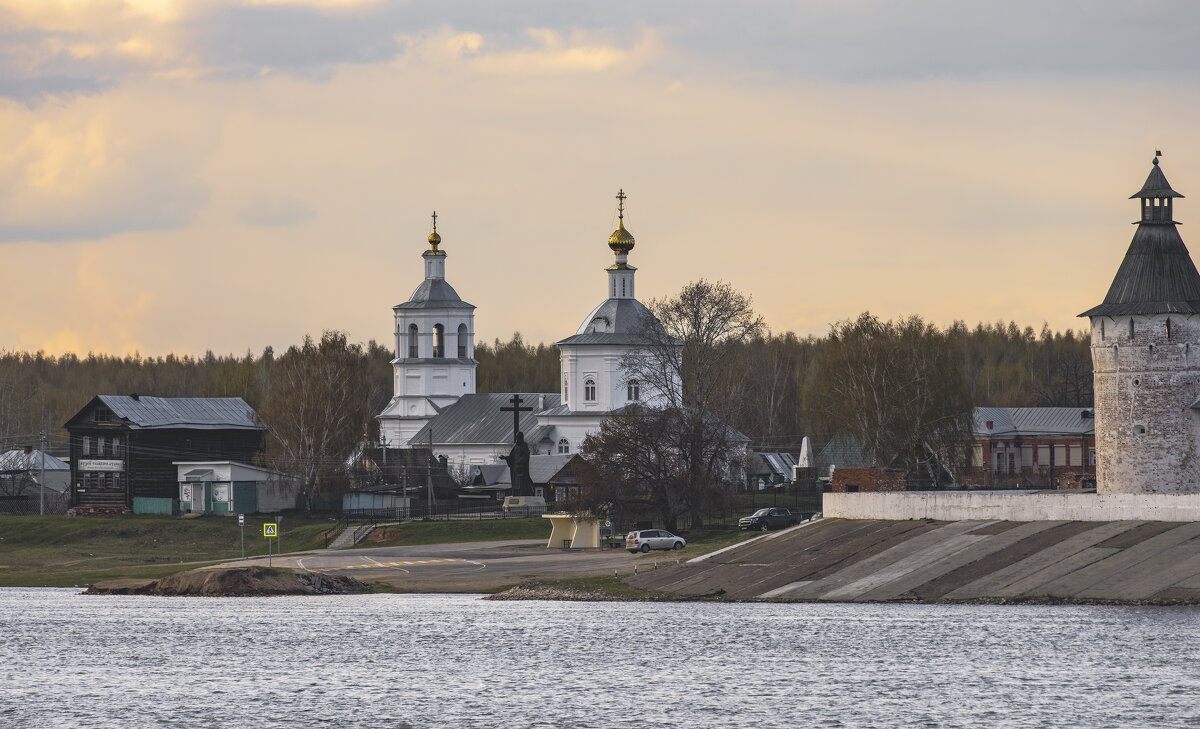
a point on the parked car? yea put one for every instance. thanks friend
(765, 519)
(647, 539)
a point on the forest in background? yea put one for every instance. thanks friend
(1003, 364)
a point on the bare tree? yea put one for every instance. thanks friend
(898, 387)
(318, 407)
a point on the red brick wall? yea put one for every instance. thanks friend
(869, 479)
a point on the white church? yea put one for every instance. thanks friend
(435, 403)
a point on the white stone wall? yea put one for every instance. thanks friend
(1145, 383)
(1042, 506)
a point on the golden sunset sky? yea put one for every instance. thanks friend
(185, 176)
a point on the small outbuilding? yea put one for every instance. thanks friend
(229, 487)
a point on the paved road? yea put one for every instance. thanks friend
(465, 567)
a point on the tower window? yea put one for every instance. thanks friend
(564, 446)
(413, 351)
(1102, 330)
(439, 340)
(1131, 327)
(633, 391)
(462, 341)
(589, 390)
(1168, 327)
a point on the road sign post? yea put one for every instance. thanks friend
(270, 530)
(242, 532)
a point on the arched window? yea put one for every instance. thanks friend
(1168, 327)
(1131, 327)
(589, 390)
(412, 341)
(633, 391)
(462, 341)
(564, 446)
(439, 340)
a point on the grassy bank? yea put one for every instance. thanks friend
(55, 551)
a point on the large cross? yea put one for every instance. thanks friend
(516, 410)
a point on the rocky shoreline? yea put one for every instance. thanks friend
(235, 582)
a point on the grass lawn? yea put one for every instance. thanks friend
(445, 532)
(61, 551)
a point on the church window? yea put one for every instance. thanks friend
(614, 287)
(412, 341)
(462, 341)
(634, 391)
(1131, 327)
(439, 340)
(564, 446)
(1101, 330)
(1168, 327)
(622, 286)
(589, 390)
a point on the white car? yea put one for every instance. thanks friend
(647, 539)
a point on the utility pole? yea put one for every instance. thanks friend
(42, 477)
(429, 473)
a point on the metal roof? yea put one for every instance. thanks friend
(544, 468)
(1034, 421)
(434, 293)
(477, 418)
(614, 321)
(202, 413)
(1157, 275)
(19, 460)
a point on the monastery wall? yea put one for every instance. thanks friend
(1010, 506)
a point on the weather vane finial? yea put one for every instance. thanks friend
(621, 204)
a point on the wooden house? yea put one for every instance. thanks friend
(124, 447)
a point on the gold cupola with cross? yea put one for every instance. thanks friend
(620, 274)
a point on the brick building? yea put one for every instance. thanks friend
(1033, 448)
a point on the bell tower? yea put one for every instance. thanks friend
(435, 351)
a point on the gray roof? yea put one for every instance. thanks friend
(491, 474)
(1156, 185)
(843, 451)
(614, 321)
(775, 463)
(543, 468)
(1157, 275)
(434, 293)
(1033, 421)
(201, 413)
(477, 418)
(19, 460)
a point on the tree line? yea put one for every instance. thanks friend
(1001, 364)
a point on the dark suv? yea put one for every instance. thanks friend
(765, 519)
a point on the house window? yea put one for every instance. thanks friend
(412, 341)
(103, 415)
(1060, 455)
(1043, 455)
(1092, 456)
(462, 341)
(589, 390)
(1076, 455)
(564, 446)
(633, 391)
(87, 446)
(439, 341)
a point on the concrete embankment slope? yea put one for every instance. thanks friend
(868, 560)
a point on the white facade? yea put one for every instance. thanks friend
(435, 352)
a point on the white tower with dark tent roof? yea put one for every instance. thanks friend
(1146, 358)
(435, 351)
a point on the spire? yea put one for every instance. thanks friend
(434, 239)
(620, 274)
(621, 241)
(1157, 275)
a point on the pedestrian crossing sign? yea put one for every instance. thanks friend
(270, 530)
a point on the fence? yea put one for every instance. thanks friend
(27, 504)
(440, 512)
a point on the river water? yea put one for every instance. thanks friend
(69, 660)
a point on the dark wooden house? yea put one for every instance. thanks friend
(123, 446)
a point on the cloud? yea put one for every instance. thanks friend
(92, 169)
(276, 212)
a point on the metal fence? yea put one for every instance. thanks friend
(438, 512)
(28, 505)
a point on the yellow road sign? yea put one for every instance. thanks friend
(270, 530)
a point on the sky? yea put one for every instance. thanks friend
(221, 175)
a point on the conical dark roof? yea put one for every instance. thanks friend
(1156, 185)
(1157, 275)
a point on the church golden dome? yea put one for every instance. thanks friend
(621, 240)
(434, 238)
